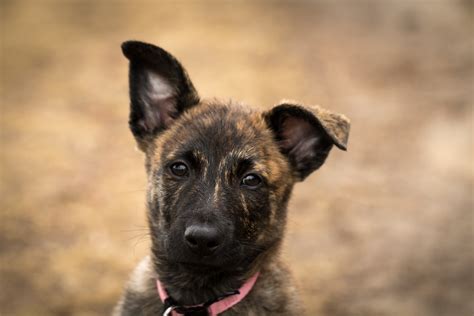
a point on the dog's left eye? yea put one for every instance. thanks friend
(251, 180)
(179, 169)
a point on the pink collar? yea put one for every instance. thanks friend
(217, 307)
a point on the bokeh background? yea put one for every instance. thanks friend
(385, 228)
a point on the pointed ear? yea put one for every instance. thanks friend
(160, 90)
(306, 134)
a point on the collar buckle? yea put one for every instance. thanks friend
(168, 311)
(171, 305)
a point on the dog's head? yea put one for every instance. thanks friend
(219, 175)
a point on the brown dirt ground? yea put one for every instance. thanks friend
(383, 229)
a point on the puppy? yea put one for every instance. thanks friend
(219, 180)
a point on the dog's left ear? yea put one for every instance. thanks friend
(160, 90)
(306, 134)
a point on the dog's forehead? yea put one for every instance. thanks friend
(218, 130)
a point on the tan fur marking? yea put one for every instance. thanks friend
(207, 121)
(241, 125)
(216, 195)
(244, 204)
(139, 280)
(177, 195)
(203, 159)
(221, 166)
(272, 210)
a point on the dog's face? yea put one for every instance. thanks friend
(219, 175)
(219, 186)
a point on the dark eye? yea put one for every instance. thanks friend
(179, 169)
(251, 180)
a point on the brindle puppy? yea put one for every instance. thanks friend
(219, 180)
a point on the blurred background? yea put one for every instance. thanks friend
(385, 228)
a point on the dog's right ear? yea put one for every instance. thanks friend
(306, 134)
(160, 90)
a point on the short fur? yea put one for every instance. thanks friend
(219, 144)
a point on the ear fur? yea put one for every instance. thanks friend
(160, 90)
(306, 134)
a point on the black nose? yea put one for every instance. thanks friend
(202, 239)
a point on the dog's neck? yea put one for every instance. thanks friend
(191, 286)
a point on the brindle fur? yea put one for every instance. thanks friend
(219, 142)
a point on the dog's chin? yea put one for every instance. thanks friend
(200, 266)
(212, 263)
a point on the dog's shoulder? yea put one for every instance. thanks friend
(140, 296)
(273, 294)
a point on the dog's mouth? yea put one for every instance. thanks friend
(209, 264)
(217, 261)
(198, 266)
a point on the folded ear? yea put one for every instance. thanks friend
(160, 90)
(306, 134)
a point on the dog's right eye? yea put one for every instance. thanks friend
(179, 169)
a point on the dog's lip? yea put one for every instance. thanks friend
(198, 265)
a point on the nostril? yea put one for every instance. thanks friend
(191, 240)
(212, 244)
